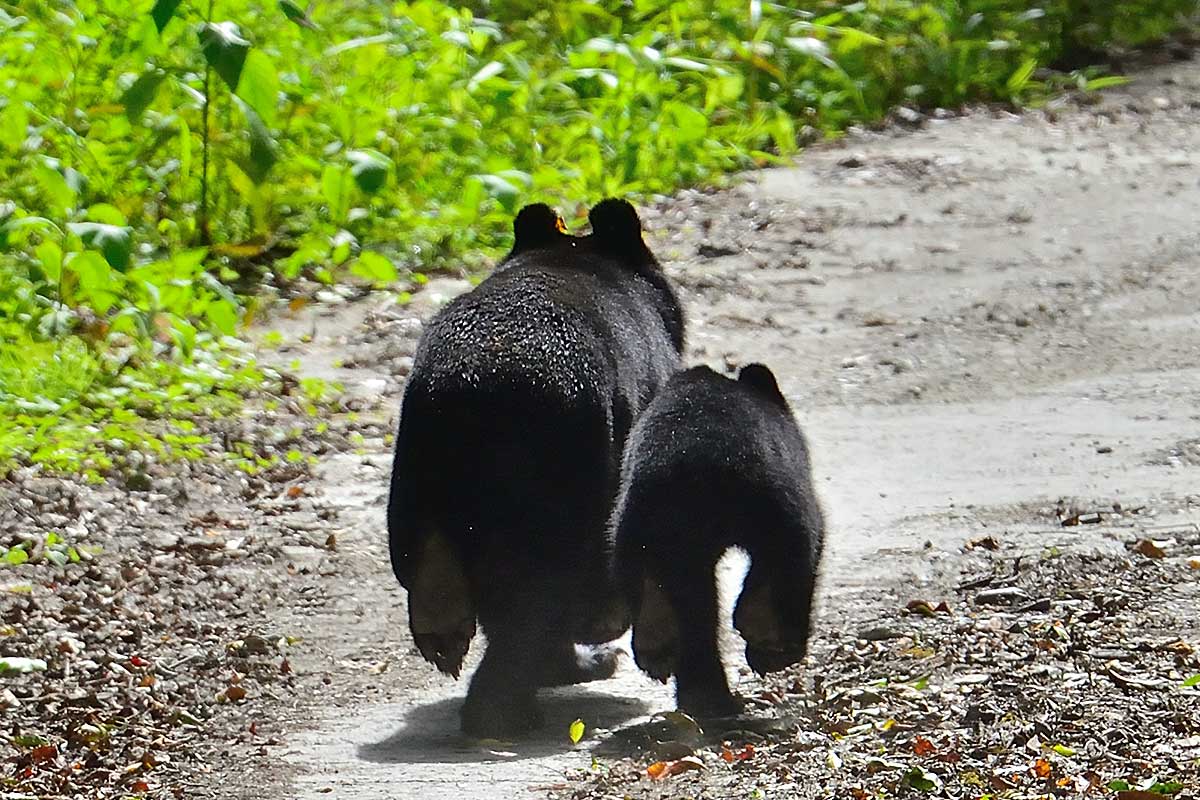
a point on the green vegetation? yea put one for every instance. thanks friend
(162, 160)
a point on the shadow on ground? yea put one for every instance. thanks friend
(429, 733)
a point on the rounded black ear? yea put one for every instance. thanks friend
(760, 378)
(536, 225)
(617, 228)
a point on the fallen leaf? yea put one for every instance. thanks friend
(1149, 549)
(576, 731)
(665, 769)
(235, 693)
(1042, 768)
(45, 752)
(922, 780)
(922, 607)
(985, 542)
(923, 747)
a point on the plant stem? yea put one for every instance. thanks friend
(205, 237)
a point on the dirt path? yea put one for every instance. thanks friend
(975, 321)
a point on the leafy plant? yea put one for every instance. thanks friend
(162, 159)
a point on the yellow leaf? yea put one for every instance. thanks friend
(576, 731)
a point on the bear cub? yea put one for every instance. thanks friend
(715, 463)
(507, 460)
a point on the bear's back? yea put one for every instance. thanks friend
(711, 431)
(561, 320)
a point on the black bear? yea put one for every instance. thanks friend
(508, 457)
(715, 463)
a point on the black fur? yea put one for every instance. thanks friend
(715, 463)
(508, 456)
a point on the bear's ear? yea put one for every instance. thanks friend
(617, 229)
(536, 226)
(760, 378)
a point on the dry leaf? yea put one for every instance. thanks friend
(985, 542)
(235, 693)
(1042, 768)
(1149, 549)
(922, 607)
(923, 747)
(665, 769)
(42, 753)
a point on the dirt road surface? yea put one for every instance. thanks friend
(979, 322)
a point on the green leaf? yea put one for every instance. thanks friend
(163, 11)
(96, 279)
(16, 556)
(50, 257)
(369, 168)
(921, 780)
(1192, 681)
(14, 124)
(259, 85)
(106, 213)
(223, 316)
(16, 225)
(373, 267)
(55, 186)
(500, 190)
(1106, 82)
(1119, 786)
(489, 70)
(19, 664)
(335, 187)
(140, 95)
(263, 148)
(1063, 750)
(113, 241)
(1167, 787)
(225, 50)
(296, 14)
(576, 731)
(1018, 80)
(361, 41)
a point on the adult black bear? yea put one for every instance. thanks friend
(715, 463)
(508, 457)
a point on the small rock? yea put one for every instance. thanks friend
(1002, 596)
(879, 634)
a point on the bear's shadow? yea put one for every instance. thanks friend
(430, 732)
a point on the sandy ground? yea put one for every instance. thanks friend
(975, 321)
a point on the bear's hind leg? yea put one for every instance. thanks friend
(701, 687)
